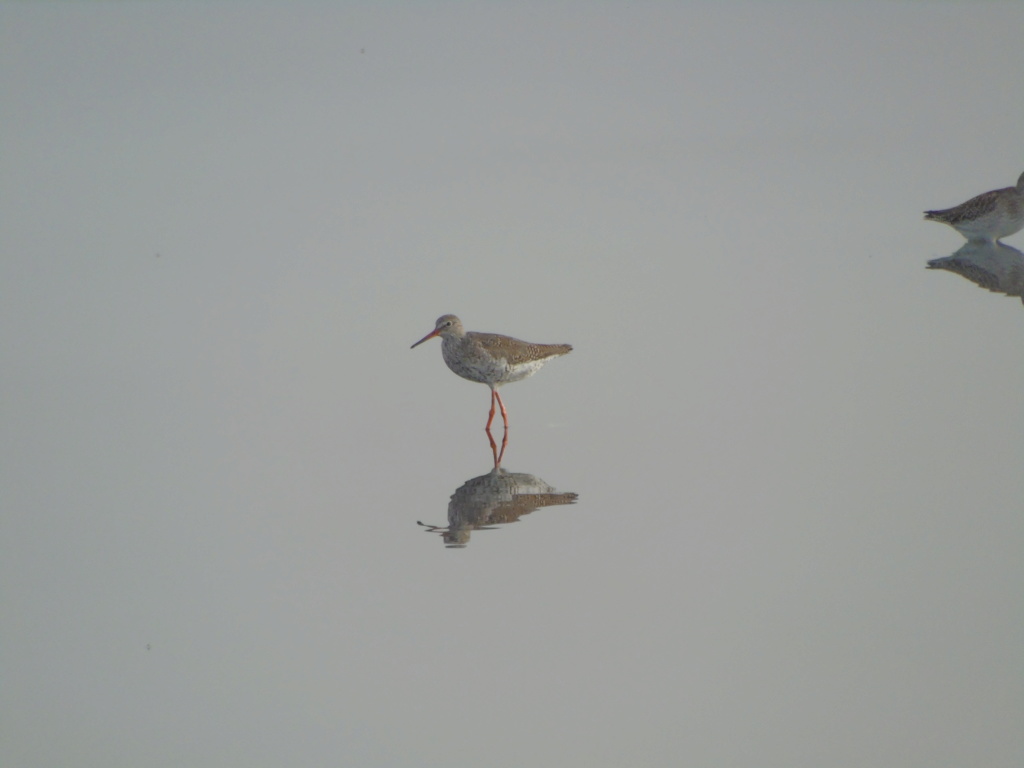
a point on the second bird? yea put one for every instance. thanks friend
(989, 216)
(490, 358)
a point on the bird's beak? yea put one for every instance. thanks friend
(430, 335)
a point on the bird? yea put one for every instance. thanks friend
(987, 217)
(490, 358)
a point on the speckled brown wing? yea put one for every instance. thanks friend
(515, 351)
(538, 352)
(973, 209)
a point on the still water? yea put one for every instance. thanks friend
(767, 513)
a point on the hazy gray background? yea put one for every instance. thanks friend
(798, 453)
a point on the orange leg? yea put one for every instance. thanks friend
(504, 413)
(490, 416)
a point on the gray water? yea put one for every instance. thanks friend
(796, 452)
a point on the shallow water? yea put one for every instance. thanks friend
(766, 513)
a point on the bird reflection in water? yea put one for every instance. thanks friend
(992, 265)
(497, 498)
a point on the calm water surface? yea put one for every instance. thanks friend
(767, 513)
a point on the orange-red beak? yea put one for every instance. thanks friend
(429, 336)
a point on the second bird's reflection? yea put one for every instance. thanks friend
(497, 498)
(994, 266)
